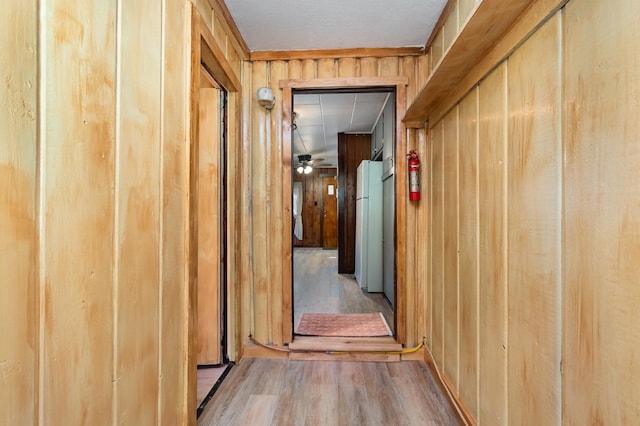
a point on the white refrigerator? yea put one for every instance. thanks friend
(368, 271)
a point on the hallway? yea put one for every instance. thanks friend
(317, 287)
(281, 392)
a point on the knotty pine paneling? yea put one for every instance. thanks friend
(78, 262)
(19, 271)
(468, 249)
(601, 321)
(534, 215)
(492, 245)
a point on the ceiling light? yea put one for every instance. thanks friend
(300, 169)
(307, 169)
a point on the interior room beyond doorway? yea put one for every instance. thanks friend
(318, 288)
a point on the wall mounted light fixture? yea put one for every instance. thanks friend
(266, 98)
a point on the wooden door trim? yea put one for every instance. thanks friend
(204, 51)
(287, 87)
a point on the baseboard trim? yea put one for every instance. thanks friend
(464, 415)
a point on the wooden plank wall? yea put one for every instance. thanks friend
(312, 211)
(93, 213)
(535, 230)
(264, 281)
(19, 294)
(601, 273)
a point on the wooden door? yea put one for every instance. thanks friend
(352, 149)
(209, 224)
(330, 212)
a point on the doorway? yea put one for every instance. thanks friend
(214, 109)
(363, 121)
(211, 329)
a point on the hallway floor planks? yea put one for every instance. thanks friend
(317, 287)
(262, 391)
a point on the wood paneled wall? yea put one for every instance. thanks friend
(19, 247)
(266, 277)
(94, 212)
(312, 211)
(534, 227)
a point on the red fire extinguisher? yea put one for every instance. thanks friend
(414, 176)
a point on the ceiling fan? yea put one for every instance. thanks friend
(305, 163)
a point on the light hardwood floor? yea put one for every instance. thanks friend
(261, 391)
(317, 287)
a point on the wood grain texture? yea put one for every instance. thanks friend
(601, 322)
(204, 52)
(325, 392)
(276, 222)
(492, 244)
(246, 232)
(209, 238)
(287, 208)
(19, 209)
(526, 24)
(450, 28)
(451, 291)
(401, 193)
(234, 203)
(196, 27)
(174, 220)
(311, 208)
(352, 149)
(221, 12)
(260, 139)
(290, 55)
(468, 248)
(437, 243)
(327, 68)
(368, 67)
(491, 19)
(137, 218)
(465, 7)
(534, 216)
(423, 279)
(77, 187)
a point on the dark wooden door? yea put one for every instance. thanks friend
(330, 212)
(352, 149)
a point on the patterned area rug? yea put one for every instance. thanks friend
(343, 325)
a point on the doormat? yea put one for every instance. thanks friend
(343, 325)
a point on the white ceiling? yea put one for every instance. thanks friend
(283, 25)
(334, 24)
(320, 117)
